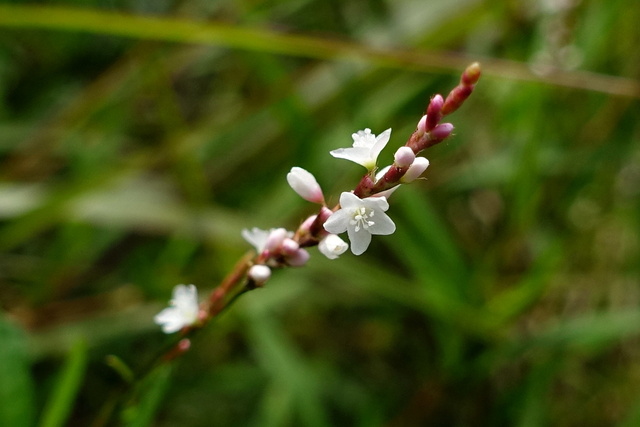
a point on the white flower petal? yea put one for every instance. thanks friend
(383, 225)
(349, 200)
(360, 155)
(359, 240)
(381, 142)
(256, 238)
(338, 222)
(376, 203)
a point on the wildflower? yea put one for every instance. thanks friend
(366, 148)
(332, 246)
(305, 184)
(182, 311)
(360, 218)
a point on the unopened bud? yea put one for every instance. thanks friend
(471, 74)
(422, 124)
(259, 274)
(305, 184)
(419, 165)
(434, 112)
(289, 246)
(276, 236)
(298, 258)
(404, 157)
(332, 246)
(442, 131)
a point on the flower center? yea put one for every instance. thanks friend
(361, 218)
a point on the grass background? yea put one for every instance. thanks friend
(137, 138)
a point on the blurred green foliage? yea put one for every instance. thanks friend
(134, 151)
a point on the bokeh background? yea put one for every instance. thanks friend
(133, 151)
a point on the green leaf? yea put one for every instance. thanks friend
(61, 401)
(16, 385)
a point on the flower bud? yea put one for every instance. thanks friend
(420, 164)
(404, 157)
(471, 74)
(442, 131)
(289, 246)
(434, 113)
(259, 274)
(422, 124)
(298, 258)
(332, 246)
(275, 239)
(305, 184)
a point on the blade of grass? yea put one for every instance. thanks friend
(16, 387)
(61, 401)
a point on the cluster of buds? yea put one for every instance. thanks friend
(360, 213)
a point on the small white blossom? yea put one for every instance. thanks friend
(366, 148)
(360, 218)
(332, 246)
(182, 311)
(305, 184)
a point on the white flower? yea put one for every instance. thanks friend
(360, 218)
(182, 311)
(332, 246)
(305, 184)
(366, 148)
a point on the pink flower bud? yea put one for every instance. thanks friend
(298, 258)
(305, 184)
(442, 131)
(259, 274)
(289, 246)
(275, 239)
(471, 74)
(404, 157)
(420, 164)
(434, 113)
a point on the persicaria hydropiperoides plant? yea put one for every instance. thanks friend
(361, 213)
